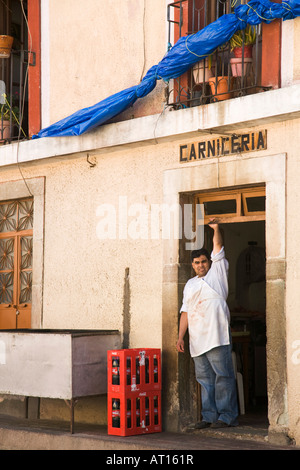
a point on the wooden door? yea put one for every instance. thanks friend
(16, 235)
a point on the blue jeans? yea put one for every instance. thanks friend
(214, 371)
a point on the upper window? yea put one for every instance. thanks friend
(233, 70)
(18, 64)
(254, 202)
(240, 205)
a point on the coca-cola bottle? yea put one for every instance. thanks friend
(155, 410)
(115, 371)
(138, 412)
(147, 370)
(115, 413)
(155, 369)
(128, 413)
(128, 370)
(137, 363)
(147, 417)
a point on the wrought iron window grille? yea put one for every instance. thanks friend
(14, 72)
(218, 77)
(15, 124)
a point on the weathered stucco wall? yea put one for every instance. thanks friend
(100, 48)
(296, 58)
(84, 275)
(83, 284)
(291, 134)
(89, 288)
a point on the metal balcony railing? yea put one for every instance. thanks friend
(14, 96)
(221, 76)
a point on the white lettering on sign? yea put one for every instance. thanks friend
(296, 354)
(2, 353)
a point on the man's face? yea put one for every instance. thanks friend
(201, 265)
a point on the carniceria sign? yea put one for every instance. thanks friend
(222, 146)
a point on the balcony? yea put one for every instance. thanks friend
(222, 75)
(14, 97)
(14, 72)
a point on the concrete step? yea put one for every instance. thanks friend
(22, 434)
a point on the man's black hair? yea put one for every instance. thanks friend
(199, 252)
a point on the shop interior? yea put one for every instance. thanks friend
(244, 241)
(245, 251)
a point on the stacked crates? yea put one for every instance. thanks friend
(134, 391)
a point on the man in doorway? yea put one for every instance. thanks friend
(205, 314)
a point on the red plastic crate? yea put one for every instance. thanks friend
(131, 370)
(134, 413)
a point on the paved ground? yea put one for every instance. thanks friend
(18, 434)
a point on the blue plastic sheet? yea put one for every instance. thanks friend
(183, 55)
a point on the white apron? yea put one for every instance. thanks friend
(208, 319)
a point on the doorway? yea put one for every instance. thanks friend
(242, 217)
(245, 245)
(181, 184)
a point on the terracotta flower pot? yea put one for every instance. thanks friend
(237, 66)
(6, 43)
(221, 87)
(4, 130)
(238, 51)
(198, 72)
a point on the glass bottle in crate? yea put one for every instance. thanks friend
(147, 370)
(138, 412)
(128, 413)
(155, 369)
(115, 371)
(155, 410)
(128, 370)
(115, 413)
(137, 363)
(147, 417)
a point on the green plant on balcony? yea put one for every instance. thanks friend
(241, 45)
(9, 112)
(9, 108)
(244, 38)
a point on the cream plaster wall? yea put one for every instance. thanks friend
(101, 47)
(83, 275)
(290, 62)
(88, 290)
(296, 24)
(291, 133)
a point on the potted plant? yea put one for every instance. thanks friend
(221, 83)
(202, 70)
(242, 40)
(245, 37)
(8, 111)
(6, 43)
(220, 86)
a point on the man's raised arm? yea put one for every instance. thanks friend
(217, 238)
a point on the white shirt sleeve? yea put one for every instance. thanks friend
(184, 304)
(217, 276)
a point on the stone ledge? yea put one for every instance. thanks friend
(247, 111)
(279, 437)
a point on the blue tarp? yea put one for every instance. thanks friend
(184, 54)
